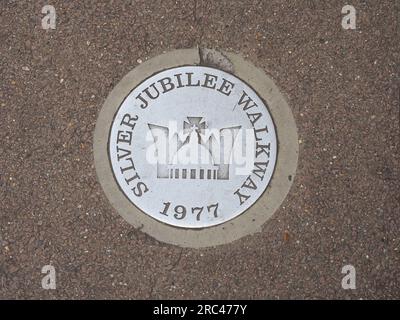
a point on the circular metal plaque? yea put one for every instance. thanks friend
(193, 146)
(196, 148)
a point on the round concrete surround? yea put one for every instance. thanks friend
(252, 219)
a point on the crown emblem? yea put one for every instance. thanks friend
(196, 152)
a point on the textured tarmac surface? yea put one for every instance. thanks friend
(343, 208)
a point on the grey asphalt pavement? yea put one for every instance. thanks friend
(343, 208)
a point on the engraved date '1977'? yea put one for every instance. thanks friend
(180, 211)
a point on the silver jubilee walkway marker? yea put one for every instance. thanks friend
(194, 155)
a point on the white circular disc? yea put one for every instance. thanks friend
(192, 146)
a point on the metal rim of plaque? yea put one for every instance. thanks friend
(195, 155)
